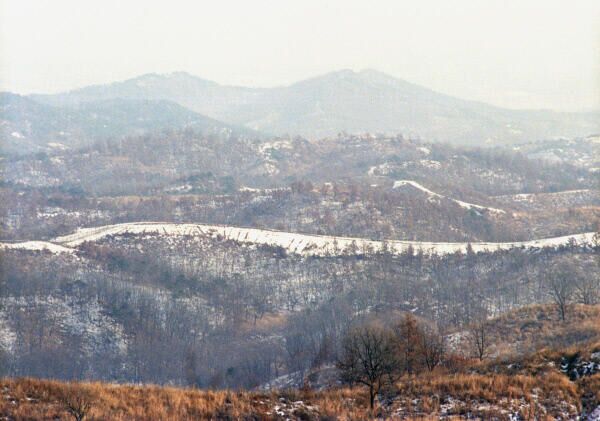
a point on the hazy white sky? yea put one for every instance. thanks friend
(522, 53)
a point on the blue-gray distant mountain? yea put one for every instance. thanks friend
(365, 101)
(29, 126)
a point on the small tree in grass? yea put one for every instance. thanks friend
(479, 337)
(369, 358)
(77, 401)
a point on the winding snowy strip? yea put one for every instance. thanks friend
(466, 205)
(307, 244)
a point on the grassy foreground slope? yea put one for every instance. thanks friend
(499, 396)
(550, 371)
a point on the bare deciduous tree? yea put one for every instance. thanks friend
(407, 339)
(77, 402)
(479, 338)
(369, 358)
(431, 346)
(587, 286)
(561, 287)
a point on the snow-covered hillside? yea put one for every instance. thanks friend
(305, 244)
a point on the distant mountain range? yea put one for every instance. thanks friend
(365, 101)
(29, 126)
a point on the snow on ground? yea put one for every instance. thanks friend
(257, 190)
(57, 145)
(380, 170)
(86, 320)
(286, 381)
(595, 415)
(521, 197)
(249, 189)
(402, 183)
(428, 163)
(37, 246)
(306, 244)
(455, 340)
(466, 205)
(322, 377)
(8, 337)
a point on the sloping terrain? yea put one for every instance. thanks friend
(534, 329)
(433, 195)
(466, 391)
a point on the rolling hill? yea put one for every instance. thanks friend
(302, 244)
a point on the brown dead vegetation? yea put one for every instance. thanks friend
(33, 399)
(533, 328)
(546, 396)
(530, 384)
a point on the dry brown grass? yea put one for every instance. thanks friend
(267, 323)
(40, 399)
(422, 397)
(589, 389)
(532, 328)
(529, 384)
(33, 399)
(553, 392)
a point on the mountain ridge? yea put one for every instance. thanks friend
(344, 100)
(28, 126)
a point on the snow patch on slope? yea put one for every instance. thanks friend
(37, 246)
(522, 197)
(8, 337)
(431, 194)
(86, 320)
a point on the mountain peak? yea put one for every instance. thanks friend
(342, 73)
(370, 76)
(171, 77)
